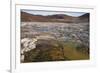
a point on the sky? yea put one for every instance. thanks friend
(44, 13)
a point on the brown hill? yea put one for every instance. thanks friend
(26, 17)
(85, 17)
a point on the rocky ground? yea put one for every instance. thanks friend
(56, 41)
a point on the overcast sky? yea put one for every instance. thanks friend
(40, 12)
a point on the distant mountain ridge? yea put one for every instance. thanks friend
(85, 17)
(27, 17)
